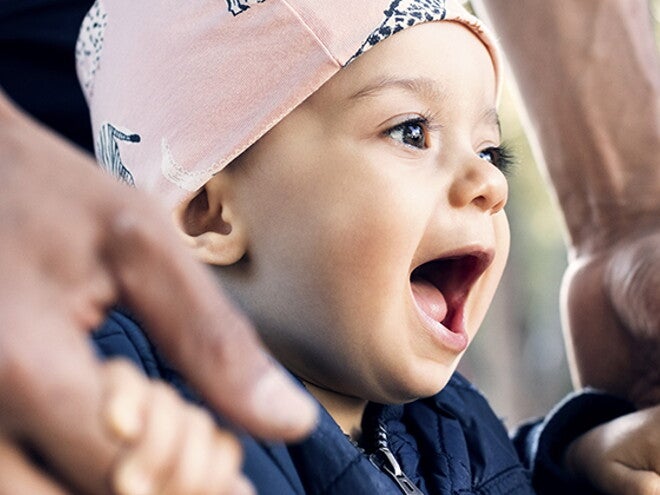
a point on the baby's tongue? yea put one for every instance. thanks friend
(429, 299)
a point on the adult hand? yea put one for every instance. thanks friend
(589, 76)
(74, 242)
(612, 297)
(622, 456)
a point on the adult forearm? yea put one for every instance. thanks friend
(589, 75)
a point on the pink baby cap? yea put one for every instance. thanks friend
(177, 90)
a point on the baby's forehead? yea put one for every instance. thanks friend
(414, 60)
(197, 84)
(401, 70)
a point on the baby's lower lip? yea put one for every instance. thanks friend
(432, 307)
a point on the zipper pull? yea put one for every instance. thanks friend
(388, 463)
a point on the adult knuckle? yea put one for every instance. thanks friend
(128, 224)
(235, 338)
(634, 281)
(217, 345)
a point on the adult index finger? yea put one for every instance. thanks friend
(200, 331)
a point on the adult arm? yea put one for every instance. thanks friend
(74, 243)
(589, 75)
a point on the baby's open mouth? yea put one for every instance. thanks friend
(441, 286)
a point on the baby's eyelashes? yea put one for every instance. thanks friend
(500, 156)
(412, 132)
(416, 132)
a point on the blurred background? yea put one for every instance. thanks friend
(518, 358)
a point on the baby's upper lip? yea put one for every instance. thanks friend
(454, 274)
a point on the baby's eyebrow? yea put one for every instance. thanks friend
(425, 87)
(491, 117)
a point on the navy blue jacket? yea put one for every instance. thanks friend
(449, 444)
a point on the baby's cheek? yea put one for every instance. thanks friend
(484, 290)
(503, 241)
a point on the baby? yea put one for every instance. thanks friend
(339, 164)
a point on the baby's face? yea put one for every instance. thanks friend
(376, 235)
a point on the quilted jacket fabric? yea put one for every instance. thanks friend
(448, 444)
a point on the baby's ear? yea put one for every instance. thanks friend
(209, 225)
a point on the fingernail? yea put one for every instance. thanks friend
(131, 480)
(124, 417)
(283, 404)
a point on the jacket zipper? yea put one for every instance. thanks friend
(384, 459)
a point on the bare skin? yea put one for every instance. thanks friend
(617, 222)
(74, 243)
(589, 76)
(622, 456)
(168, 449)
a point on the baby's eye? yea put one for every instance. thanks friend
(411, 133)
(500, 156)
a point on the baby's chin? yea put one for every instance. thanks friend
(402, 391)
(421, 392)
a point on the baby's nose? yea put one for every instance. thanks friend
(480, 183)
